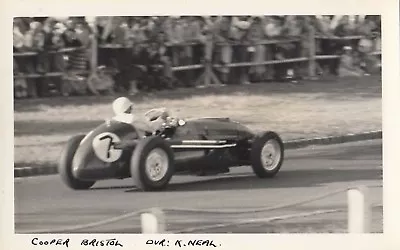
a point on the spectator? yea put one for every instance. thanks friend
(18, 36)
(73, 84)
(333, 26)
(154, 67)
(269, 31)
(125, 75)
(119, 54)
(120, 33)
(190, 33)
(48, 28)
(105, 55)
(193, 34)
(69, 35)
(175, 36)
(83, 32)
(367, 26)
(20, 84)
(47, 62)
(224, 37)
(137, 32)
(25, 65)
(322, 26)
(100, 82)
(22, 23)
(31, 41)
(366, 47)
(103, 29)
(139, 62)
(228, 39)
(254, 37)
(347, 66)
(272, 28)
(35, 41)
(275, 29)
(343, 28)
(77, 59)
(46, 39)
(19, 46)
(180, 52)
(168, 77)
(243, 50)
(76, 34)
(307, 24)
(293, 28)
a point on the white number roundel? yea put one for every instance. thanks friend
(103, 146)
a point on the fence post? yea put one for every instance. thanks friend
(94, 58)
(359, 210)
(208, 62)
(312, 50)
(208, 75)
(153, 222)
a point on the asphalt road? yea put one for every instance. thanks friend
(44, 203)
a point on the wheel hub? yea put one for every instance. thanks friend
(270, 154)
(157, 164)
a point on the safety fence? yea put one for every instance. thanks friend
(359, 216)
(193, 64)
(26, 56)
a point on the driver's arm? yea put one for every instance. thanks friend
(165, 113)
(158, 113)
(144, 123)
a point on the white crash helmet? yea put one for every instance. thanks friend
(121, 105)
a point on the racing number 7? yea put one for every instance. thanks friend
(110, 143)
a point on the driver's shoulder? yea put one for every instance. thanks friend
(127, 118)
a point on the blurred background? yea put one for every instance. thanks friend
(63, 56)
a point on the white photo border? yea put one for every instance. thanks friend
(389, 10)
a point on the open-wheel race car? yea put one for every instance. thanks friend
(117, 149)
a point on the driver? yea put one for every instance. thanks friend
(153, 121)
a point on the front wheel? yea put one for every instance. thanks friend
(267, 155)
(152, 164)
(65, 165)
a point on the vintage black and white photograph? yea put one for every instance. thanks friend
(257, 124)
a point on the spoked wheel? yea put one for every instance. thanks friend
(267, 155)
(152, 164)
(157, 164)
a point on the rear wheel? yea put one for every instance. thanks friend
(65, 165)
(152, 164)
(267, 155)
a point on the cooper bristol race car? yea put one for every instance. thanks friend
(205, 146)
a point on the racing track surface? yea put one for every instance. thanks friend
(45, 203)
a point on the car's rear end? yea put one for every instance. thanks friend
(98, 157)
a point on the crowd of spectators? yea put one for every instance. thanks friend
(143, 50)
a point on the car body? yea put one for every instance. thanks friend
(118, 149)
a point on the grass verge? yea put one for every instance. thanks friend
(303, 110)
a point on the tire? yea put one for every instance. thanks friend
(65, 165)
(259, 164)
(155, 147)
